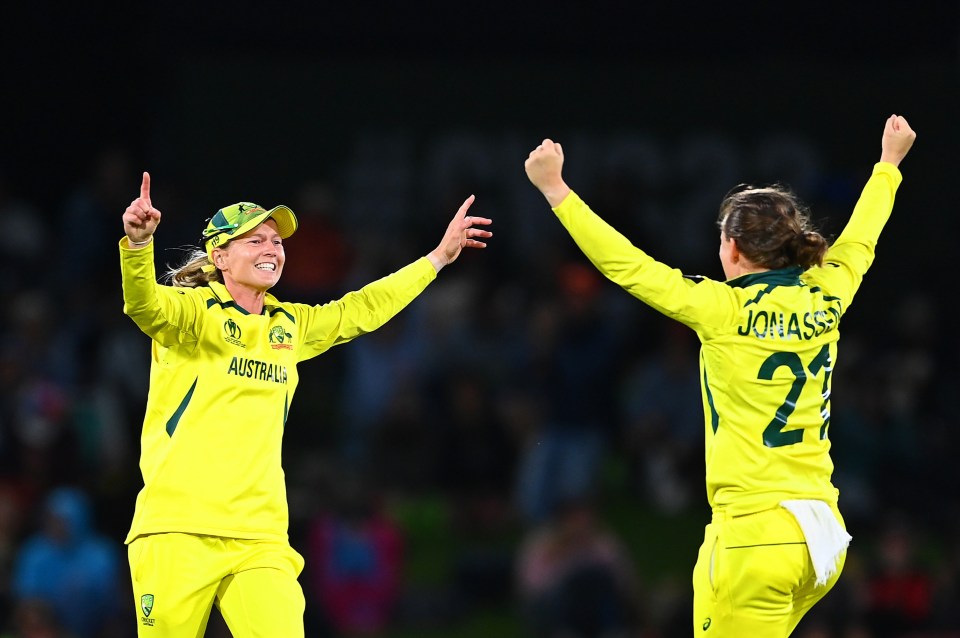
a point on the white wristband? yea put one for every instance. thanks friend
(140, 243)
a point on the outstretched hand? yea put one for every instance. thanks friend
(897, 139)
(460, 234)
(141, 218)
(544, 167)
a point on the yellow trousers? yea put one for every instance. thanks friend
(177, 578)
(754, 576)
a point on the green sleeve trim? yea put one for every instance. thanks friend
(714, 416)
(272, 310)
(226, 304)
(175, 418)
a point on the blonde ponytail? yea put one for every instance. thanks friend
(196, 271)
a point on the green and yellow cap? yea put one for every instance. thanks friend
(233, 221)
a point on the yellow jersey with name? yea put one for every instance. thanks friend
(768, 349)
(221, 384)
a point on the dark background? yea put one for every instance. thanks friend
(294, 75)
(401, 110)
(248, 101)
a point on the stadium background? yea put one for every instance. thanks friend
(373, 123)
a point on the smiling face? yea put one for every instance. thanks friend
(253, 260)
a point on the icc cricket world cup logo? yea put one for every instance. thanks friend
(232, 333)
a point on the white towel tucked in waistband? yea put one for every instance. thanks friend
(826, 538)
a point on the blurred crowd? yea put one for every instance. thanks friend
(464, 460)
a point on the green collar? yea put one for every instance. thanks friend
(223, 298)
(772, 278)
(769, 280)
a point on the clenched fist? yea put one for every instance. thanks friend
(544, 168)
(897, 139)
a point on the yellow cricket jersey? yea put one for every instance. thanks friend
(768, 348)
(221, 384)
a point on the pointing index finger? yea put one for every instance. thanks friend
(464, 207)
(145, 186)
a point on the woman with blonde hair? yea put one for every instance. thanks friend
(210, 525)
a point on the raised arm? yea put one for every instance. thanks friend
(897, 139)
(852, 254)
(141, 218)
(460, 234)
(544, 167)
(698, 305)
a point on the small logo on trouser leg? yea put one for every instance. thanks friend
(706, 624)
(146, 605)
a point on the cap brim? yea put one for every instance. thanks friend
(282, 215)
(286, 220)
